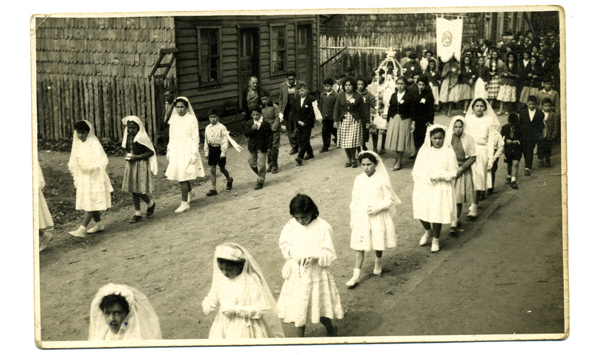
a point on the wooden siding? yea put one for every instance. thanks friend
(97, 69)
(227, 93)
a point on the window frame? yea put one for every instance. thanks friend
(271, 50)
(202, 58)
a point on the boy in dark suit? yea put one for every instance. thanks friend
(303, 114)
(259, 136)
(326, 104)
(532, 123)
(548, 134)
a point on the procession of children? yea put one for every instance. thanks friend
(453, 166)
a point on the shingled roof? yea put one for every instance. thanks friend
(115, 46)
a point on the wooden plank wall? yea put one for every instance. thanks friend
(205, 97)
(97, 69)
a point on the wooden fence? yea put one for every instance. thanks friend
(364, 54)
(63, 100)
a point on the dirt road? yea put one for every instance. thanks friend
(502, 276)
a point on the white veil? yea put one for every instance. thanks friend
(382, 171)
(91, 151)
(189, 110)
(140, 324)
(236, 252)
(142, 138)
(489, 112)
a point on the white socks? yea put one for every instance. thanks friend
(472, 210)
(183, 207)
(138, 213)
(354, 280)
(78, 233)
(99, 227)
(378, 266)
(514, 178)
(190, 196)
(435, 245)
(425, 237)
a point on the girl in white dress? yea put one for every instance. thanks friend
(480, 119)
(183, 151)
(309, 288)
(239, 291)
(371, 210)
(87, 164)
(434, 174)
(122, 313)
(44, 216)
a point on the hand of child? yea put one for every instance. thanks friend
(508, 141)
(490, 164)
(336, 125)
(229, 312)
(301, 123)
(412, 126)
(255, 126)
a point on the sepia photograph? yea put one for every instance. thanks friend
(299, 177)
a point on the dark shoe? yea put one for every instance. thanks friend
(150, 210)
(541, 164)
(453, 232)
(309, 157)
(298, 161)
(229, 184)
(490, 191)
(135, 219)
(412, 157)
(514, 185)
(355, 164)
(324, 150)
(348, 164)
(294, 151)
(269, 169)
(332, 331)
(397, 167)
(481, 195)
(547, 162)
(527, 172)
(259, 185)
(275, 170)
(507, 181)
(381, 151)
(212, 192)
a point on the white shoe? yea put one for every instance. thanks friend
(472, 211)
(190, 196)
(97, 228)
(378, 267)
(183, 207)
(354, 280)
(435, 245)
(45, 239)
(79, 233)
(425, 238)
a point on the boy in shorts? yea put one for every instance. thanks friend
(512, 135)
(215, 150)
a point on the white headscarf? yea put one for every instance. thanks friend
(236, 252)
(140, 324)
(478, 127)
(467, 141)
(382, 171)
(142, 138)
(428, 156)
(189, 110)
(86, 155)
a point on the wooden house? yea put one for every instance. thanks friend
(98, 69)
(217, 55)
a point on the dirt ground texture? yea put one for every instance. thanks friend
(504, 274)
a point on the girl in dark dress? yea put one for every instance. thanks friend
(424, 111)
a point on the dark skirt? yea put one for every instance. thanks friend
(137, 177)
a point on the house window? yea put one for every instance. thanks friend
(278, 49)
(209, 55)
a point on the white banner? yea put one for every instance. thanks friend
(449, 38)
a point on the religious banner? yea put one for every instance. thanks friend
(449, 38)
